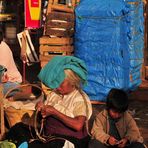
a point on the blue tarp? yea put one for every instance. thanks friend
(109, 37)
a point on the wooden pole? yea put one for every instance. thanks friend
(23, 55)
(2, 125)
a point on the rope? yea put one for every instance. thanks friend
(43, 138)
(87, 112)
(24, 85)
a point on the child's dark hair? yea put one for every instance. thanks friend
(1, 36)
(117, 100)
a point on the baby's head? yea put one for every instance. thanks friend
(117, 102)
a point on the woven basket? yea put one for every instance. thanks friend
(14, 116)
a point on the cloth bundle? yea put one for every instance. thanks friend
(52, 74)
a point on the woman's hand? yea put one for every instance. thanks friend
(39, 106)
(76, 123)
(47, 110)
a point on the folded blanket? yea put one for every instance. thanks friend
(52, 74)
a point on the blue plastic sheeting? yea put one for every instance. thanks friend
(109, 37)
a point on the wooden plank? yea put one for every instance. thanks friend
(2, 122)
(49, 53)
(97, 102)
(48, 9)
(50, 1)
(59, 33)
(59, 24)
(73, 2)
(69, 17)
(47, 58)
(44, 59)
(55, 1)
(46, 48)
(55, 41)
(59, 7)
(43, 63)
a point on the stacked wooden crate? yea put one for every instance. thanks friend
(50, 47)
(58, 30)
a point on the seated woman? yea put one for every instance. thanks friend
(67, 108)
(12, 76)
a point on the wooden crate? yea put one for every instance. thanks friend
(55, 41)
(50, 47)
(45, 59)
(58, 31)
(74, 2)
(44, 49)
(60, 19)
(60, 24)
(55, 5)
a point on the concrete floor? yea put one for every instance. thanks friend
(139, 108)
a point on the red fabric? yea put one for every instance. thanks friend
(54, 126)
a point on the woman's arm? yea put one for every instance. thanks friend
(76, 123)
